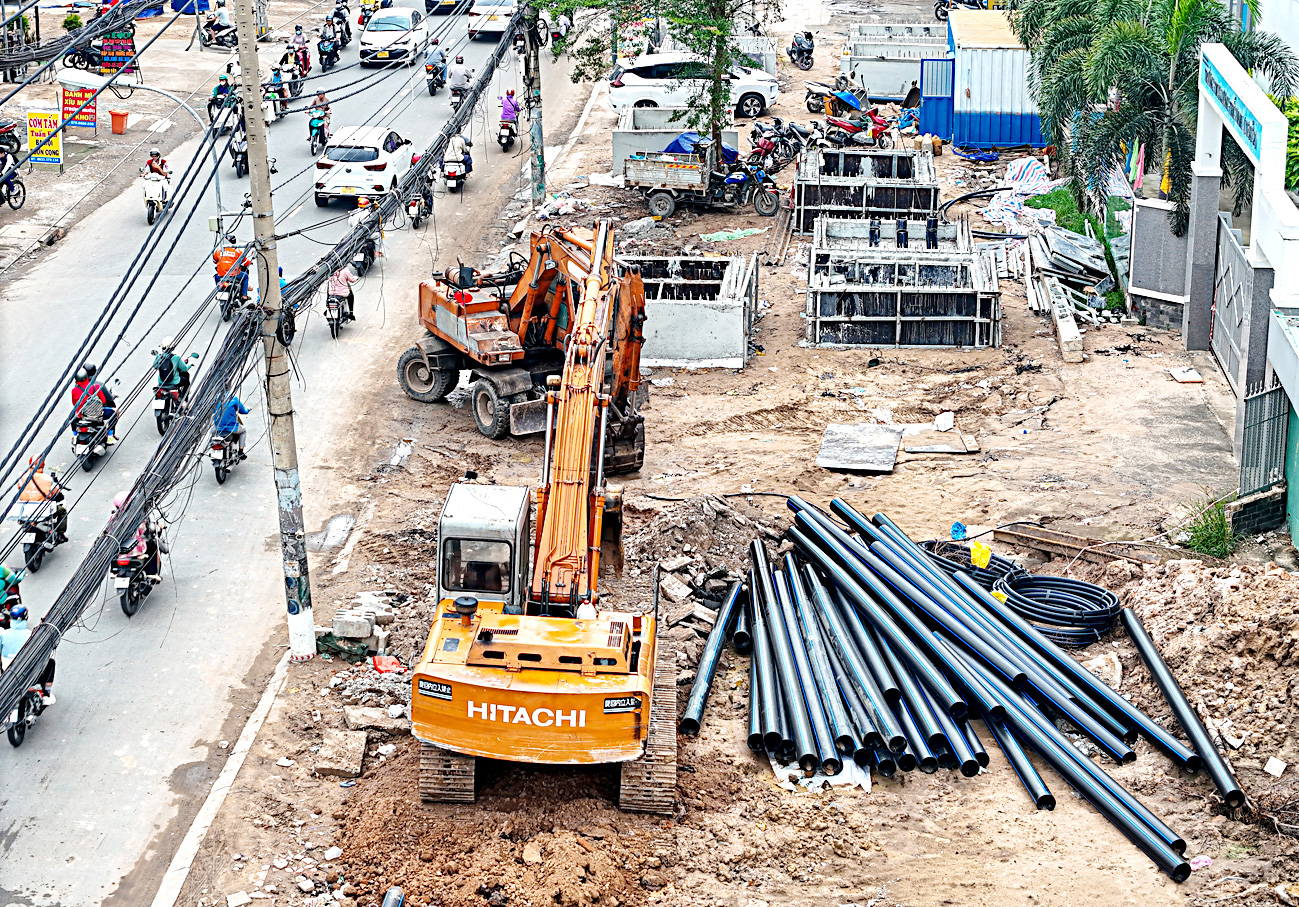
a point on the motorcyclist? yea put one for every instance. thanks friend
(156, 164)
(221, 88)
(362, 213)
(279, 88)
(299, 38)
(321, 103)
(458, 147)
(230, 259)
(38, 488)
(84, 390)
(327, 31)
(340, 284)
(12, 640)
(219, 22)
(509, 107)
(226, 421)
(436, 57)
(10, 580)
(146, 544)
(460, 76)
(173, 371)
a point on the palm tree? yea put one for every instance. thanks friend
(1147, 54)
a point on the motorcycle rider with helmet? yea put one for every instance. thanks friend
(39, 488)
(85, 389)
(173, 371)
(460, 76)
(13, 638)
(230, 259)
(146, 543)
(157, 164)
(436, 57)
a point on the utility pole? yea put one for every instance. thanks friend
(279, 402)
(532, 100)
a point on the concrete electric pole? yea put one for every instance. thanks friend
(532, 101)
(279, 402)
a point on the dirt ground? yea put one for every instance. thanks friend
(1112, 447)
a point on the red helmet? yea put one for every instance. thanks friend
(509, 92)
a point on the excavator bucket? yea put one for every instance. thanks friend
(528, 418)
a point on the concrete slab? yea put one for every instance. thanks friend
(359, 718)
(341, 754)
(860, 447)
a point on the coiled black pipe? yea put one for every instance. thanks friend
(821, 543)
(1067, 611)
(806, 698)
(1024, 633)
(884, 730)
(755, 709)
(1028, 775)
(836, 714)
(708, 661)
(1214, 764)
(952, 556)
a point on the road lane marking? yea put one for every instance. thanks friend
(289, 216)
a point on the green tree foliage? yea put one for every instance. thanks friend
(704, 27)
(1147, 53)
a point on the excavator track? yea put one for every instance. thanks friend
(444, 776)
(649, 782)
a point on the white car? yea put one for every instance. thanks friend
(396, 33)
(677, 80)
(488, 17)
(361, 161)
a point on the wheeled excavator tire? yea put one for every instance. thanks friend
(649, 782)
(444, 776)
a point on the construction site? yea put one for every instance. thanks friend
(853, 555)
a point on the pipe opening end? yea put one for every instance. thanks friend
(1046, 801)
(689, 727)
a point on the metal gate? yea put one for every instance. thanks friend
(1233, 291)
(1262, 449)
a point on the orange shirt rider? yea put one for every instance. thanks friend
(230, 258)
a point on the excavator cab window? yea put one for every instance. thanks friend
(476, 565)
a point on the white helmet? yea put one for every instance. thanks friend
(168, 342)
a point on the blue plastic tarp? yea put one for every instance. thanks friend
(849, 99)
(187, 6)
(685, 144)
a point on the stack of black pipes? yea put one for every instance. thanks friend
(864, 648)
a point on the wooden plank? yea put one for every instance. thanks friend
(1063, 543)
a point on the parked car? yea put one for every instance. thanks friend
(361, 161)
(676, 80)
(396, 33)
(488, 17)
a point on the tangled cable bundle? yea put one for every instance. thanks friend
(952, 556)
(1069, 612)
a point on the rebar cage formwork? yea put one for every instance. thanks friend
(854, 184)
(901, 283)
(698, 311)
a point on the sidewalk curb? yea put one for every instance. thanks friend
(178, 870)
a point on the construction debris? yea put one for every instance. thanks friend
(341, 755)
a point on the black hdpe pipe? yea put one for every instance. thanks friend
(1124, 811)
(742, 635)
(784, 748)
(755, 709)
(1214, 765)
(917, 745)
(926, 725)
(1092, 720)
(836, 713)
(800, 726)
(1037, 790)
(884, 731)
(980, 752)
(954, 740)
(824, 755)
(867, 736)
(871, 651)
(769, 693)
(882, 609)
(708, 661)
(883, 762)
(1027, 636)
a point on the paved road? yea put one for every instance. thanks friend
(87, 800)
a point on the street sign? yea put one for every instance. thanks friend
(119, 48)
(42, 124)
(74, 98)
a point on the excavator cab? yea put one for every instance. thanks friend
(483, 539)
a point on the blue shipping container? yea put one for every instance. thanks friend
(991, 103)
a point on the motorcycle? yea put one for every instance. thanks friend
(224, 454)
(801, 56)
(293, 77)
(38, 528)
(342, 26)
(223, 112)
(874, 132)
(212, 35)
(363, 260)
(775, 144)
(457, 96)
(328, 50)
(155, 196)
(228, 295)
(506, 134)
(89, 440)
(239, 152)
(420, 202)
(272, 102)
(368, 8)
(453, 174)
(131, 578)
(167, 401)
(335, 309)
(24, 715)
(317, 136)
(89, 57)
(9, 136)
(943, 7)
(435, 76)
(745, 184)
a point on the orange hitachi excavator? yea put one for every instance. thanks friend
(528, 664)
(513, 341)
